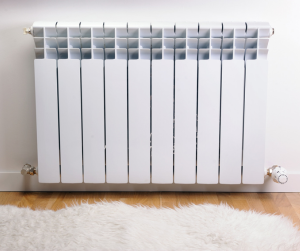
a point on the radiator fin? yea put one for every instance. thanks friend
(185, 121)
(139, 120)
(70, 120)
(208, 121)
(47, 120)
(116, 120)
(93, 121)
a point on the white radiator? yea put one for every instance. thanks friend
(151, 103)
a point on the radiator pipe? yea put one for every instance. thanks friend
(277, 173)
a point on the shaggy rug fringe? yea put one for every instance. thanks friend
(117, 226)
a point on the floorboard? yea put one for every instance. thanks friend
(287, 204)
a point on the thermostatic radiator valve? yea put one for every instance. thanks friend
(28, 169)
(278, 174)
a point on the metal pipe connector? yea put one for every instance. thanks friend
(27, 31)
(28, 169)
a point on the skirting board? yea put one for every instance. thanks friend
(18, 182)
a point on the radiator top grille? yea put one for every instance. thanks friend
(134, 41)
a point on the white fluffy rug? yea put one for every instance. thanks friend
(117, 226)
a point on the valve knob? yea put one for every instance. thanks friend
(279, 175)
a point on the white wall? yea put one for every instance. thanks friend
(17, 102)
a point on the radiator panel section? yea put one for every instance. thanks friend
(93, 121)
(70, 120)
(116, 120)
(47, 120)
(139, 120)
(162, 121)
(255, 121)
(208, 121)
(185, 121)
(231, 121)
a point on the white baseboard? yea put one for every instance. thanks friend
(18, 182)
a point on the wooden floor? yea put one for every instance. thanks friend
(287, 204)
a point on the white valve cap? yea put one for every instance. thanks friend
(279, 175)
